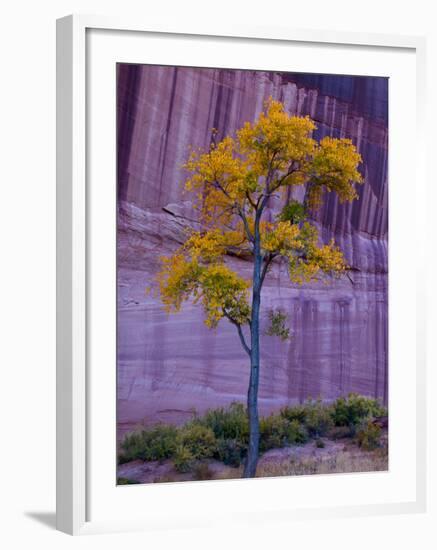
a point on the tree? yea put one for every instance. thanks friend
(232, 184)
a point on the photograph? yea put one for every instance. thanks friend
(218, 279)
(252, 274)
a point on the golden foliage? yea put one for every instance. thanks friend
(215, 243)
(334, 167)
(314, 260)
(307, 260)
(221, 178)
(280, 237)
(273, 153)
(275, 139)
(221, 291)
(232, 184)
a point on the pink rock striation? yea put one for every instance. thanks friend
(170, 364)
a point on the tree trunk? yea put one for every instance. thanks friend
(252, 394)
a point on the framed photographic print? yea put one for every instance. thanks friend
(240, 300)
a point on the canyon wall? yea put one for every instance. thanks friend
(169, 365)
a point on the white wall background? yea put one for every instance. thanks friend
(27, 272)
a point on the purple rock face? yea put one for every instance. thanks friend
(170, 364)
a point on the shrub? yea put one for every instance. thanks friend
(369, 435)
(297, 433)
(297, 412)
(157, 443)
(272, 432)
(183, 459)
(354, 409)
(199, 440)
(314, 415)
(224, 433)
(277, 431)
(123, 458)
(318, 418)
(231, 452)
(227, 424)
(131, 447)
(126, 481)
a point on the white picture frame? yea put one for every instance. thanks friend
(73, 298)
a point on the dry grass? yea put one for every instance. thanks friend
(167, 478)
(202, 472)
(230, 473)
(343, 462)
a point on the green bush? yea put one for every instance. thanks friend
(227, 424)
(369, 435)
(315, 416)
(231, 452)
(318, 418)
(277, 431)
(199, 440)
(298, 412)
(157, 443)
(126, 481)
(354, 409)
(183, 459)
(224, 433)
(297, 433)
(272, 432)
(195, 442)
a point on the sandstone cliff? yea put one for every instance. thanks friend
(168, 365)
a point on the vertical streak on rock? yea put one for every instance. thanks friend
(165, 136)
(345, 346)
(128, 83)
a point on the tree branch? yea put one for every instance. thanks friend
(245, 223)
(217, 185)
(267, 261)
(262, 199)
(238, 251)
(238, 208)
(240, 332)
(278, 184)
(249, 198)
